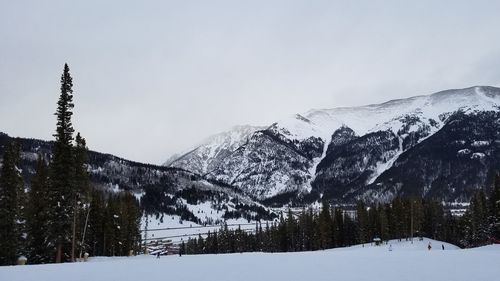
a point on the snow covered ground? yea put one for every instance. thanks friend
(406, 262)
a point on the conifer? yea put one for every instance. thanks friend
(38, 214)
(62, 172)
(12, 195)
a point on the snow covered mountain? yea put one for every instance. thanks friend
(349, 152)
(206, 157)
(161, 190)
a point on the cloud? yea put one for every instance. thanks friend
(153, 78)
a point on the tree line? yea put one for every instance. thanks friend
(331, 227)
(59, 215)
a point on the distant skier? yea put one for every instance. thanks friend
(429, 247)
(442, 246)
(158, 255)
(390, 248)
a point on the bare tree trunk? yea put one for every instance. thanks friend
(59, 252)
(84, 231)
(73, 239)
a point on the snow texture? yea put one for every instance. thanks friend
(410, 262)
(205, 157)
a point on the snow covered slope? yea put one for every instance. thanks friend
(406, 262)
(389, 115)
(295, 156)
(161, 190)
(207, 156)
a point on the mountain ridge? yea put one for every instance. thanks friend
(161, 190)
(308, 136)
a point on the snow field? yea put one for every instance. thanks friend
(407, 261)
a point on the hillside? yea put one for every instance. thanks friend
(363, 152)
(406, 262)
(161, 190)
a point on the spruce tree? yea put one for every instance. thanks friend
(62, 172)
(362, 222)
(475, 225)
(495, 209)
(38, 215)
(384, 223)
(338, 228)
(95, 230)
(81, 186)
(130, 225)
(325, 226)
(12, 207)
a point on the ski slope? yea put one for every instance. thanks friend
(406, 262)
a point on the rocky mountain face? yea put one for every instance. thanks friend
(375, 152)
(351, 161)
(207, 157)
(269, 164)
(459, 159)
(160, 189)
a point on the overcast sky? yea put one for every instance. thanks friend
(152, 78)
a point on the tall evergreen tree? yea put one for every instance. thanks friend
(130, 224)
(325, 226)
(362, 222)
(495, 209)
(338, 228)
(81, 187)
(475, 225)
(62, 172)
(95, 236)
(38, 215)
(12, 207)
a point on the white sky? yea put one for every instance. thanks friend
(155, 77)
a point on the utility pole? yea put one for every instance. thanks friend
(84, 231)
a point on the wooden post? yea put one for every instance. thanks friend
(73, 238)
(411, 223)
(84, 231)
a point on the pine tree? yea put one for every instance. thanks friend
(12, 207)
(475, 225)
(362, 222)
(96, 225)
(38, 215)
(384, 223)
(350, 231)
(62, 172)
(418, 215)
(291, 229)
(81, 186)
(494, 203)
(130, 223)
(338, 228)
(325, 226)
(397, 219)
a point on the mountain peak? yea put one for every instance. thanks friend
(285, 157)
(207, 155)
